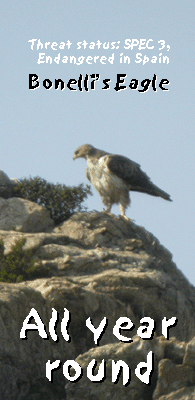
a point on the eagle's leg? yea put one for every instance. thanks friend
(124, 203)
(108, 208)
(122, 210)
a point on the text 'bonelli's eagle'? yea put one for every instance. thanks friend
(113, 176)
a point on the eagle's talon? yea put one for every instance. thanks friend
(125, 217)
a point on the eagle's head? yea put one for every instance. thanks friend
(84, 151)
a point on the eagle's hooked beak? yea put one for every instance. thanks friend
(76, 155)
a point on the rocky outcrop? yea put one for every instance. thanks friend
(101, 266)
(24, 215)
(6, 185)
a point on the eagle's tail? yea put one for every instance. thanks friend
(153, 190)
(161, 193)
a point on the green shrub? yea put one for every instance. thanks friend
(62, 201)
(19, 265)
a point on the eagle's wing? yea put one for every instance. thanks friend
(127, 170)
(131, 173)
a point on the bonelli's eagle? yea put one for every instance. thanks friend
(113, 176)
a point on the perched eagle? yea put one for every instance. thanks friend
(113, 176)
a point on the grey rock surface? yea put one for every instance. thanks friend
(132, 354)
(187, 393)
(172, 377)
(189, 357)
(6, 185)
(101, 266)
(24, 215)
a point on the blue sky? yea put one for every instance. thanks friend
(42, 128)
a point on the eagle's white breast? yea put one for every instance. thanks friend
(105, 182)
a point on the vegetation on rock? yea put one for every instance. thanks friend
(19, 265)
(62, 201)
